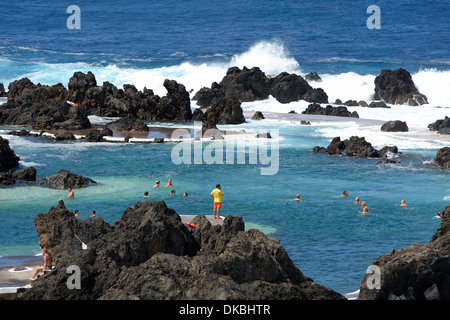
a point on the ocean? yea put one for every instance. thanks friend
(195, 42)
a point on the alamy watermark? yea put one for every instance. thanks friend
(74, 20)
(211, 147)
(374, 21)
(374, 279)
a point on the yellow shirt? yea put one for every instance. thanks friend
(217, 194)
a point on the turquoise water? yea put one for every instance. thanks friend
(194, 43)
(324, 234)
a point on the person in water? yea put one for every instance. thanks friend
(156, 184)
(217, 194)
(344, 194)
(403, 203)
(172, 191)
(146, 195)
(365, 210)
(93, 214)
(47, 263)
(356, 200)
(297, 198)
(169, 183)
(77, 213)
(185, 195)
(438, 215)
(71, 194)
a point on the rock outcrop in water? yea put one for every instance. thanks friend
(395, 126)
(65, 179)
(150, 254)
(442, 158)
(355, 147)
(442, 126)
(42, 107)
(109, 101)
(252, 84)
(8, 159)
(418, 272)
(329, 110)
(397, 87)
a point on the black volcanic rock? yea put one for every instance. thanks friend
(247, 84)
(442, 158)
(258, 115)
(128, 123)
(355, 147)
(442, 126)
(417, 272)
(316, 95)
(79, 84)
(313, 76)
(225, 111)
(149, 254)
(205, 95)
(397, 87)
(8, 159)
(329, 110)
(288, 87)
(395, 126)
(42, 107)
(65, 179)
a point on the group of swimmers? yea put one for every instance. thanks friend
(168, 185)
(365, 208)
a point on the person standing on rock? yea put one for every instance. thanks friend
(217, 194)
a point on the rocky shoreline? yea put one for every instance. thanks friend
(149, 254)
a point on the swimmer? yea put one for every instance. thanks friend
(344, 194)
(71, 194)
(146, 195)
(77, 213)
(403, 203)
(438, 215)
(169, 183)
(93, 214)
(365, 210)
(156, 184)
(297, 198)
(172, 191)
(185, 195)
(356, 200)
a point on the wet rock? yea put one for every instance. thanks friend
(149, 254)
(442, 158)
(397, 87)
(417, 272)
(128, 123)
(313, 76)
(258, 115)
(8, 159)
(329, 110)
(65, 179)
(395, 126)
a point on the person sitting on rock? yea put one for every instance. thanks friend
(47, 263)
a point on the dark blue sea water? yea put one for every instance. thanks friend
(143, 42)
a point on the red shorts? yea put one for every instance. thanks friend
(217, 204)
